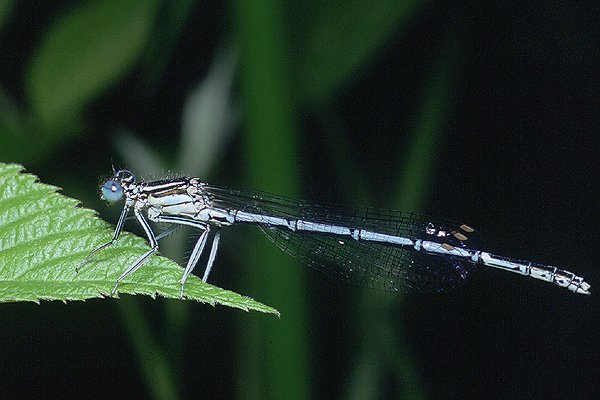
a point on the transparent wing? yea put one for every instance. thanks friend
(371, 265)
(374, 265)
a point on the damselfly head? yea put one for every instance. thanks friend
(112, 191)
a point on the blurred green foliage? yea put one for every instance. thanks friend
(294, 57)
(331, 41)
(83, 54)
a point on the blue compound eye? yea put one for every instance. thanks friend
(112, 191)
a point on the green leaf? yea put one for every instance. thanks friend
(84, 53)
(45, 235)
(335, 38)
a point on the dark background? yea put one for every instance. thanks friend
(508, 95)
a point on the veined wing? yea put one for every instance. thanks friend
(371, 264)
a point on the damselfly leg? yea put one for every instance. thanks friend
(115, 237)
(144, 257)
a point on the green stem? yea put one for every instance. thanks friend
(151, 358)
(279, 367)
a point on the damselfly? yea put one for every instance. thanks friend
(380, 249)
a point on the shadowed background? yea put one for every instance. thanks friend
(486, 114)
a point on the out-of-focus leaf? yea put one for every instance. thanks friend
(44, 236)
(208, 116)
(87, 49)
(11, 128)
(20, 141)
(6, 7)
(335, 38)
(160, 48)
(138, 156)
